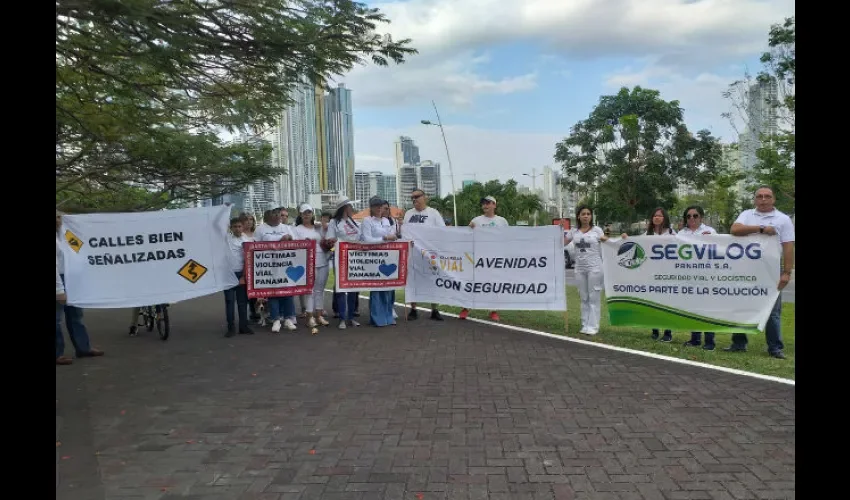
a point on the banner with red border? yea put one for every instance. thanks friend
(280, 268)
(371, 266)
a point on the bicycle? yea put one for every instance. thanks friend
(155, 316)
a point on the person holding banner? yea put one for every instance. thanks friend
(306, 229)
(239, 293)
(659, 223)
(694, 226)
(587, 240)
(373, 231)
(488, 219)
(280, 308)
(77, 331)
(343, 227)
(390, 224)
(422, 214)
(766, 219)
(249, 227)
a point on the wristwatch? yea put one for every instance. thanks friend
(761, 229)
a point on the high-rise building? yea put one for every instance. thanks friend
(406, 153)
(425, 176)
(466, 182)
(340, 134)
(387, 189)
(296, 148)
(762, 120)
(371, 184)
(429, 178)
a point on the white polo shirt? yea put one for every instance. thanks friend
(781, 222)
(702, 229)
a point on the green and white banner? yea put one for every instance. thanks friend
(705, 283)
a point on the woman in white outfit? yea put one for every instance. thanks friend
(659, 224)
(343, 227)
(588, 265)
(694, 226)
(314, 303)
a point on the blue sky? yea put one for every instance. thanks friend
(511, 78)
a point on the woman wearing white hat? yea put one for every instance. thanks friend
(374, 231)
(314, 304)
(343, 227)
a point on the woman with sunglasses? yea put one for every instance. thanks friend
(694, 226)
(659, 224)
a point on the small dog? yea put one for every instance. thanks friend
(263, 312)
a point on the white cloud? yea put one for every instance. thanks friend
(476, 153)
(455, 79)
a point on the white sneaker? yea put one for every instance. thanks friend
(322, 321)
(395, 316)
(289, 325)
(311, 322)
(354, 323)
(583, 329)
(342, 325)
(592, 331)
(276, 326)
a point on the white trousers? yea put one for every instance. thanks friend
(590, 284)
(316, 300)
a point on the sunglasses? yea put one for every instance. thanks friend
(416, 197)
(693, 216)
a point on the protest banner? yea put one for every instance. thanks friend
(147, 258)
(371, 266)
(280, 268)
(701, 283)
(506, 268)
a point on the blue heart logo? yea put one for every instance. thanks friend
(387, 269)
(295, 273)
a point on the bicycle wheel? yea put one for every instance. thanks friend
(149, 315)
(163, 325)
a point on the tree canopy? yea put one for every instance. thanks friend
(145, 87)
(510, 203)
(634, 151)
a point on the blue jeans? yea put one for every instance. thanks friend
(346, 304)
(239, 295)
(281, 307)
(76, 329)
(772, 330)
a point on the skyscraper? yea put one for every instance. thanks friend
(425, 176)
(370, 184)
(387, 189)
(762, 120)
(340, 140)
(406, 153)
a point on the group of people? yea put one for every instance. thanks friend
(380, 226)
(764, 218)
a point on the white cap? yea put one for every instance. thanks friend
(305, 208)
(489, 198)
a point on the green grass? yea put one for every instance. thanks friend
(754, 360)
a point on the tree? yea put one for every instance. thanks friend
(767, 136)
(511, 204)
(144, 87)
(634, 150)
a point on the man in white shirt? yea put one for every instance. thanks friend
(422, 214)
(766, 219)
(274, 229)
(237, 295)
(488, 219)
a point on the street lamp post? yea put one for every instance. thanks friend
(534, 177)
(448, 157)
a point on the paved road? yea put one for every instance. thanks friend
(787, 294)
(416, 412)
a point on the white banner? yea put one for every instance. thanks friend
(146, 258)
(505, 268)
(701, 283)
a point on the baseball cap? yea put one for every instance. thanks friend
(305, 208)
(488, 198)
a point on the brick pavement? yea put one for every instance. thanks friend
(417, 412)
